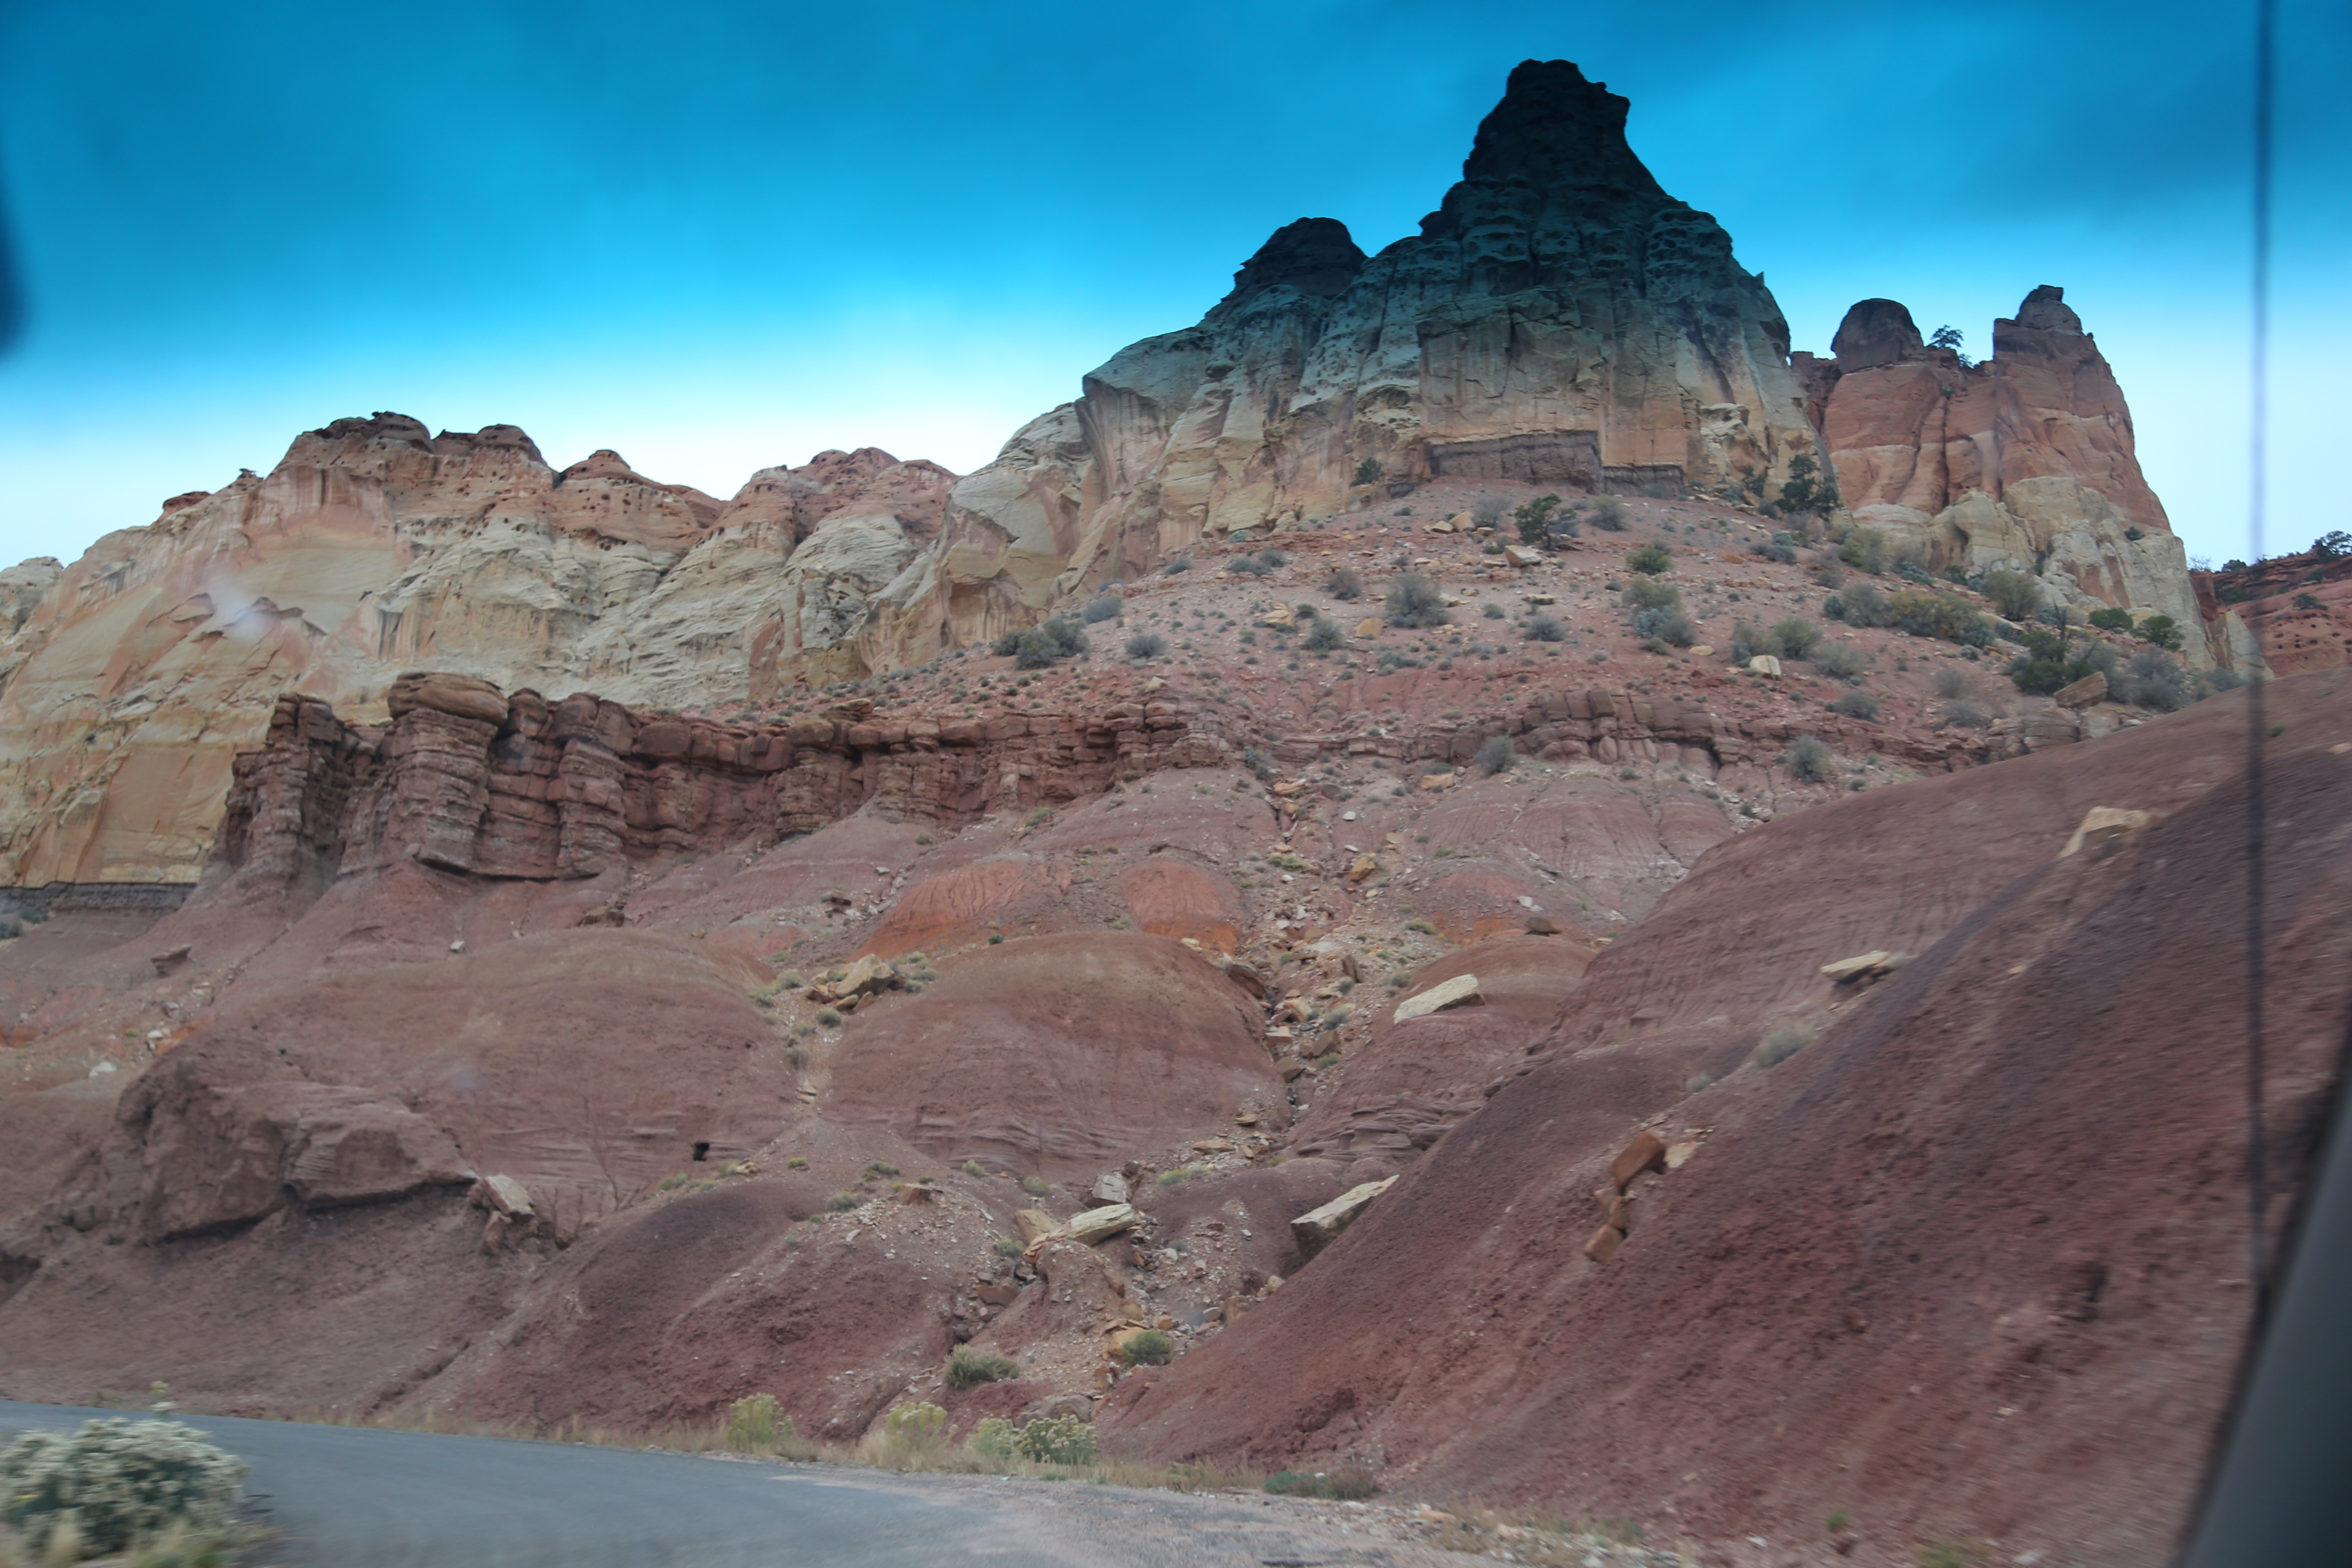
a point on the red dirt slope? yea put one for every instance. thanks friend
(1969, 1265)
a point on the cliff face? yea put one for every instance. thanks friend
(1559, 320)
(129, 680)
(2022, 461)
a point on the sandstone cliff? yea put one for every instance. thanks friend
(129, 679)
(2024, 461)
(1559, 320)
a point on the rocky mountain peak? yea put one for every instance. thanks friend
(1315, 256)
(2045, 309)
(1876, 332)
(1555, 135)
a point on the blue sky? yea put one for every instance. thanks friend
(720, 236)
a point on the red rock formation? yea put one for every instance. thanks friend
(2296, 610)
(2022, 461)
(1935, 1268)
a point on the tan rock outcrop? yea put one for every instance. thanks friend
(129, 680)
(1559, 320)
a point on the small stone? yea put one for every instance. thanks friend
(1212, 1146)
(2083, 693)
(1647, 1151)
(1602, 1245)
(1521, 556)
(1873, 962)
(1703, 650)
(1362, 867)
(1317, 1228)
(1764, 664)
(1110, 1188)
(1462, 991)
(1436, 781)
(1545, 925)
(1679, 1154)
(1369, 627)
(1100, 1224)
(1541, 599)
(2102, 823)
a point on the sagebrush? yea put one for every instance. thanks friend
(117, 1481)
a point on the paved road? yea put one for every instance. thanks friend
(343, 1497)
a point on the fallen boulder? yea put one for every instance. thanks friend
(1097, 1225)
(2100, 824)
(1318, 1227)
(1462, 991)
(1877, 962)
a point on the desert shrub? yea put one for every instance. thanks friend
(1608, 515)
(2333, 545)
(1781, 548)
(1650, 594)
(1056, 1440)
(1497, 755)
(1856, 704)
(968, 1368)
(994, 1437)
(2152, 680)
(1344, 584)
(1181, 563)
(1951, 682)
(1863, 606)
(1042, 646)
(1546, 628)
(1367, 471)
(1492, 612)
(1146, 645)
(2049, 663)
(1946, 616)
(1541, 518)
(1649, 559)
(1828, 574)
(1102, 607)
(1866, 549)
(1807, 488)
(1783, 1041)
(842, 1203)
(2014, 594)
(1346, 1485)
(1840, 660)
(1795, 637)
(1668, 625)
(115, 1482)
(2163, 631)
(1323, 636)
(910, 1428)
(829, 1019)
(751, 1424)
(1747, 642)
(1149, 1348)
(1414, 601)
(1035, 1186)
(1249, 565)
(1489, 512)
(2111, 618)
(1962, 715)
(2306, 602)
(1810, 758)
(1005, 1247)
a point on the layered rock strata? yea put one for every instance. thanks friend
(2023, 461)
(1559, 320)
(129, 680)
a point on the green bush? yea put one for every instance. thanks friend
(751, 1424)
(1866, 549)
(1035, 1186)
(1540, 519)
(1346, 1485)
(1810, 758)
(1796, 637)
(968, 1368)
(1668, 625)
(910, 1428)
(1344, 584)
(1042, 646)
(1546, 628)
(1840, 660)
(1649, 594)
(1181, 563)
(1057, 1440)
(1951, 682)
(1608, 515)
(1649, 559)
(994, 1437)
(117, 1481)
(1367, 472)
(1414, 601)
(1807, 489)
(2014, 594)
(1005, 1247)
(1149, 1348)
(842, 1203)
(2112, 618)
(2163, 631)
(1323, 636)
(1146, 645)
(1497, 755)
(829, 1019)
(1931, 615)
(1783, 1041)
(1856, 704)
